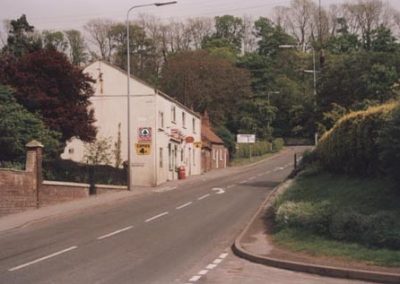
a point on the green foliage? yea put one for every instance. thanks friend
(69, 171)
(227, 137)
(341, 208)
(21, 39)
(277, 144)
(389, 145)
(98, 152)
(256, 149)
(351, 145)
(18, 127)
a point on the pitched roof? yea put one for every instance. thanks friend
(208, 135)
(158, 92)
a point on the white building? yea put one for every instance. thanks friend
(163, 131)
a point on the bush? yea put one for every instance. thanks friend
(351, 146)
(257, 149)
(66, 170)
(389, 145)
(277, 144)
(314, 217)
(376, 230)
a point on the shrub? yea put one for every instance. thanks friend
(66, 170)
(277, 144)
(389, 145)
(314, 217)
(376, 230)
(351, 145)
(257, 149)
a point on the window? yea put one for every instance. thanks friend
(194, 125)
(194, 157)
(170, 157)
(183, 119)
(173, 114)
(220, 155)
(70, 150)
(214, 154)
(161, 119)
(161, 157)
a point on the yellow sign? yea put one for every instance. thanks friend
(143, 148)
(197, 144)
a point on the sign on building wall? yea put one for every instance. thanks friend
(246, 138)
(143, 148)
(197, 144)
(144, 134)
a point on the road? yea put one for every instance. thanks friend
(163, 237)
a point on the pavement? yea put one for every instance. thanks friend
(255, 245)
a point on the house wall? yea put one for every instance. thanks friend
(110, 105)
(219, 157)
(176, 152)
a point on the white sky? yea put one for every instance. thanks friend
(68, 14)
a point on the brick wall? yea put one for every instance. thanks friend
(22, 190)
(53, 192)
(17, 191)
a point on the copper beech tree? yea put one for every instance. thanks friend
(46, 83)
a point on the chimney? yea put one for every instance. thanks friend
(205, 119)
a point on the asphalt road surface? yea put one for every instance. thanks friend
(163, 237)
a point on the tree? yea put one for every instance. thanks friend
(21, 39)
(98, 152)
(18, 126)
(77, 50)
(270, 37)
(229, 30)
(100, 34)
(46, 83)
(206, 82)
(55, 40)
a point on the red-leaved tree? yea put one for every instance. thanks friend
(47, 83)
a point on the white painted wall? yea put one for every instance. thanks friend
(110, 105)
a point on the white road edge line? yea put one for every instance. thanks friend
(203, 272)
(195, 278)
(184, 205)
(230, 186)
(211, 266)
(204, 196)
(223, 255)
(115, 232)
(217, 261)
(42, 258)
(156, 217)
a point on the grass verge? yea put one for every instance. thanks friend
(246, 161)
(325, 214)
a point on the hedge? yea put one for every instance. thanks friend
(259, 148)
(351, 146)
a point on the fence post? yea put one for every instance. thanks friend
(295, 161)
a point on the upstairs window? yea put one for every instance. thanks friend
(183, 119)
(194, 125)
(173, 114)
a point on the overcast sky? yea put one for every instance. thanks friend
(59, 15)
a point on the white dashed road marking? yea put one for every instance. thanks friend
(42, 258)
(208, 268)
(218, 190)
(156, 217)
(183, 205)
(204, 196)
(115, 232)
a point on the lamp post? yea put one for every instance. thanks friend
(128, 73)
(314, 72)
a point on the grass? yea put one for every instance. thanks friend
(246, 161)
(367, 196)
(301, 241)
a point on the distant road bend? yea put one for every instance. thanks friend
(163, 237)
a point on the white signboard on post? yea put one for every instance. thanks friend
(246, 138)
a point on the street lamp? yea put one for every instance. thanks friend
(128, 73)
(314, 72)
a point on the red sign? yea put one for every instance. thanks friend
(189, 139)
(144, 134)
